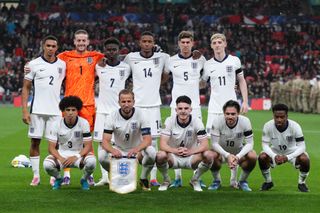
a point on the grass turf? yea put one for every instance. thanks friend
(17, 196)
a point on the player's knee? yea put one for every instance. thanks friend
(90, 162)
(303, 160)
(252, 156)
(49, 164)
(149, 157)
(263, 157)
(161, 157)
(208, 157)
(102, 157)
(151, 153)
(104, 161)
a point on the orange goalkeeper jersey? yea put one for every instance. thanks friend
(80, 74)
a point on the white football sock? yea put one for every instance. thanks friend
(35, 161)
(178, 174)
(244, 175)
(267, 175)
(302, 177)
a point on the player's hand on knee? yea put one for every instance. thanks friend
(70, 161)
(132, 152)
(116, 153)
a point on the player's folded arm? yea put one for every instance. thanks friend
(248, 145)
(300, 148)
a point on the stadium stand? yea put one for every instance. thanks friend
(273, 38)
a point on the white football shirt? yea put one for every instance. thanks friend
(47, 79)
(186, 77)
(285, 142)
(112, 80)
(70, 138)
(127, 132)
(222, 76)
(232, 139)
(184, 135)
(146, 77)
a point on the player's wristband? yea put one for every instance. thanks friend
(78, 155)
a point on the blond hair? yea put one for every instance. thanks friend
(218, 35)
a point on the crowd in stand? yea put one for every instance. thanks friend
(267, 52)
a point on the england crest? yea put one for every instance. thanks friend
(60, 70)
(77, 134)
(194, 65)
(156, 61)
(123, 175)
(239, 134)
(89, 60)
(289, 138)
(189, 133)
(229, 69)
(121, 74)
(134, 125)
(123, 168)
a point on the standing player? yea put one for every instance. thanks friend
(80, 76)
(147, 67)
(283, 141)
(183, 144)
(46, 75)
(186, 73)
(223, 70)
(228, 134)
(72, 134)
(112, 78)
(132, 137)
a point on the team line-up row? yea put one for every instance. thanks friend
(78, 68)
(183, 144)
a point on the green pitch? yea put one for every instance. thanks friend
(17, 196)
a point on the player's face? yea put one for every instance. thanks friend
(231, 116)
(280, 118)
(185, 45)
(81, 42)
(218, 45)
(50, 48)
(146, 43)
(183, 111)
(70, 114)
(126, 103)
(112, 51)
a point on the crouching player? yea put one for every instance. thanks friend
(132, 137)
(283, 141)
(72, 133)
(183, 144)
(228, 134)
